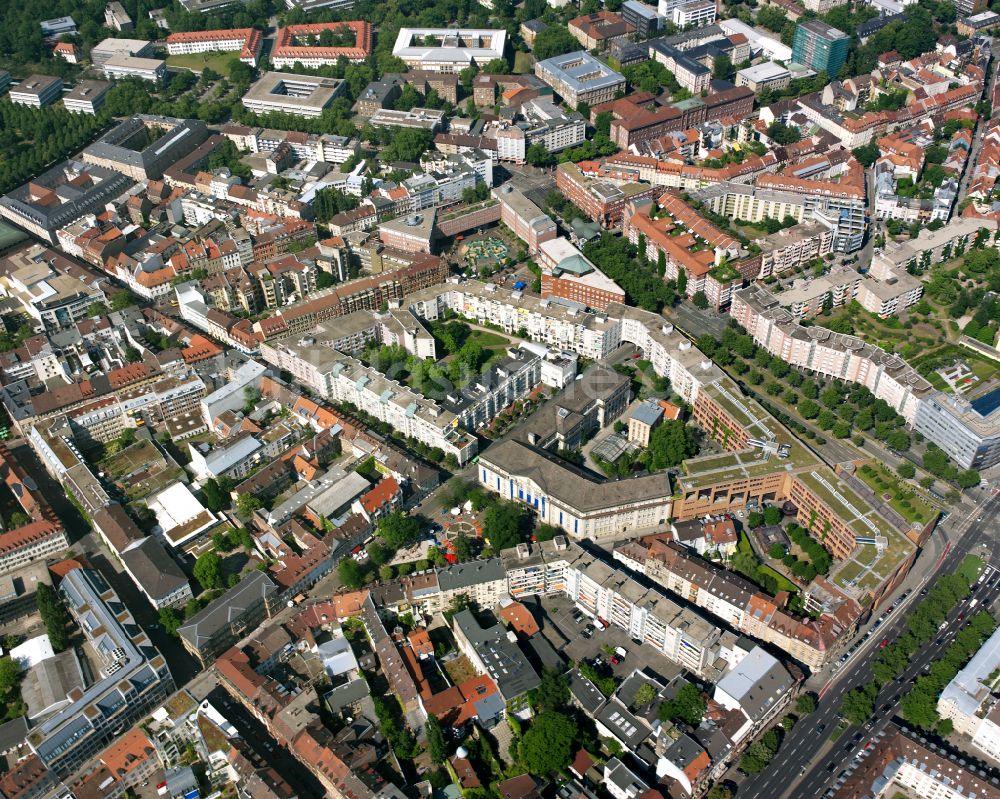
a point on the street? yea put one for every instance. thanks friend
(807, 749)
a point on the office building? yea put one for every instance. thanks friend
(820, 47)
(598, 30)
(245, 41)
(86, 97)
(644, 18)
(579, 77)
(109, 48)
(448, 49)
(60, 196)
(764, 76)
(130, 677)
(125, 148)
(127, 66)
(37, 91)
(529, 223)
(305, 95)
(299, 44)
(116, 17)
(566, 273)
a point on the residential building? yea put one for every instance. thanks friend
(969, 700)
(419, 118)
(696, 13)
(225, 620)
(603, 201)
(156, 574)
(820, 46)
(492, 652)
(566, 273)
(642, 420)
(528, 222)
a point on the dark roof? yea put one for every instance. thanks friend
(117, 527)
(151, 566)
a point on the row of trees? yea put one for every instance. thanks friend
(54, 616)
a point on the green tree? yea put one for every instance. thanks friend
(554, 40)
(398, 530)
(350, 573)
(805, 704)
(505, 525)
(435, 740)
(170, 620)
(553, 692)
(670, 444)
(208, 570)
(858, 704)
(906, 469)
(547, 746)
(700, 300)
(54, 616)
(644, 696)
(772, 515)
(722, 66)
(246, 504)
(687, 706)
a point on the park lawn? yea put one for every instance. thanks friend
(488, 340)
(524, 63)
(784, 584)
(196, 62)
(752, 231)
(884, 482)
(970, 568)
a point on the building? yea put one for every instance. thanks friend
(101, 52)
(131, 677)
(970, 700)
(983, 21)
(903, 762)
(86, 97)
(601, 200)
(693, 14)
(52, 29)
(530, 29)
(301, 44)
(968, 431)
(245, 41)
(117, 18)
(223, 622)
(127, 66)
(126, 149)
(420, 118)
(820, 47)
(644, 18)
(968, 8)
(60, 196)
(448, 50)
(156, 574)
(579, 77)
(566, 273)
(641, 422)
(528, 222)
(305, 95)
(377, 95)
(37, 91)
(597, 31)
(492, 652)
(764, 76)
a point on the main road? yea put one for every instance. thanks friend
(808, 761)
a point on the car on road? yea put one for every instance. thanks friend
(588, 632)
(820, 728)
(883, 643)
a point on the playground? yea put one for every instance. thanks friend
(487, 251)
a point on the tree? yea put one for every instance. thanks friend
(670, 444)
(435, 740)
(700, 300)
(867, 154)
(398, 530)
(122, 299)
(760, 753)
(721, 791)
(781, 133)
(906, 469)
(644, 696)
(776, 551)
(805, 704)
(721, 67)
(858, 705)
(682, 276)
(208, 570)
(18, 519)
(462, 546)
(553, 692)
(505, 525)
(170, 620)
(246, 504)
(554, 40)
(547, 746)
(687, 706)
(968, 478)
(772, 515)
(496, 66)
(214, 499)
(350, 573)
(54, 616)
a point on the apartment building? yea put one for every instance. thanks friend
(601, 200)
(566, 273)
(820, 46)
(521, 215)
(740, 604)
(37, 91)
(579, 77)
(229, 618)
(130, 677)
(970, 702)
(807, 297)
(116, 17)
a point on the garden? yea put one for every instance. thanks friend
(901, 497)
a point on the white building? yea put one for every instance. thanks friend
(970, 699)
(127, 66)
(305, 95)
(448, 49)
(86, 97)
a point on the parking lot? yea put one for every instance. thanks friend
(567, 636)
